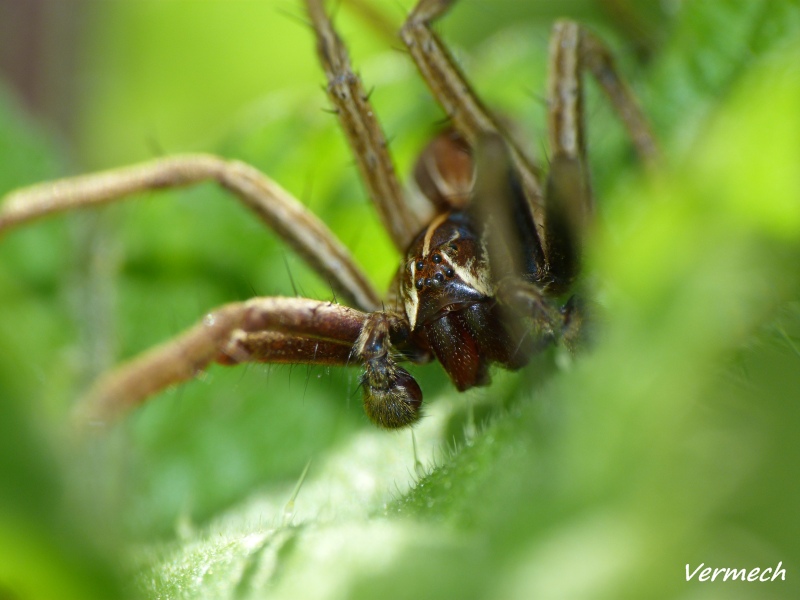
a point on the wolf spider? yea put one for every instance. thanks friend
(487, 256)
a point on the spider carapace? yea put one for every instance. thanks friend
(490, 254)
(449, 300)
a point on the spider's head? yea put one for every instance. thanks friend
(446, 270)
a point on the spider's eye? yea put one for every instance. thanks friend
(439, 278)
(420, 265)
(437, 258)
(449, 271)
(419, 284)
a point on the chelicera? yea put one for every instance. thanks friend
(491, 246)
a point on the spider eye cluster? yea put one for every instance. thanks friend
(433, 271)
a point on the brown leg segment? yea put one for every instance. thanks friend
(572, 49)
(569, 203)
(280, 348)
(281, 212)
(598, 60)
(217, 339)
(363, 132)
(272, 330)
(498, 205)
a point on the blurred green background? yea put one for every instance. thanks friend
(672, 441)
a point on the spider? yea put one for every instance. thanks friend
(491, 245)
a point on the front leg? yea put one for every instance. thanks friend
(392, 398)
(295, 330)
(271, 330)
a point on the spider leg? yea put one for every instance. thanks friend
(278, 209)
(596, 57)
(522, 291)
(364, 134)
(499, 207)
(391, 396)
(273, 330)
(455, 95)
(291, 330)
(569, 203)
(281, 348)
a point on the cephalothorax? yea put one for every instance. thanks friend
(488, 255)
(449, 297)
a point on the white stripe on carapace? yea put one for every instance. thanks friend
(411, 300)
(426, 244)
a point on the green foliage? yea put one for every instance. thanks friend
(672, 440)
